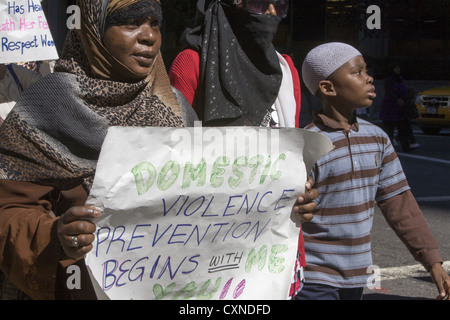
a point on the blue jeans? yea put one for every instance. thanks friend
(316, 291)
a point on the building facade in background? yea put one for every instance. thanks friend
(415, 33)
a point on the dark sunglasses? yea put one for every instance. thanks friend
(261, 6)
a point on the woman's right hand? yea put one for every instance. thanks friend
(76, 232)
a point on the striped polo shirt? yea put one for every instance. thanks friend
(361, 169)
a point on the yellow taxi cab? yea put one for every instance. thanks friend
(434, 109)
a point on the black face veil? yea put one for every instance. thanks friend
(240, 72)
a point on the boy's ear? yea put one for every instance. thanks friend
(327, 88)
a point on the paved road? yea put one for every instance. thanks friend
(428, 173)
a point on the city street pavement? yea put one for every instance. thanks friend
(401, 277)
(428, 172)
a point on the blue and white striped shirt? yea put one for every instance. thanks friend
(362, 168)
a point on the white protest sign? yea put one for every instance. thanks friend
(24, 32)
(199, 213)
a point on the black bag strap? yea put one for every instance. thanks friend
(15, 77)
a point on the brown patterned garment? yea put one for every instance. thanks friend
(56, 130)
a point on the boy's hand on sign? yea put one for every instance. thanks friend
(304, 207)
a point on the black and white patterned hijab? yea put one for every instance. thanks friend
(55, 132)
(240, 72)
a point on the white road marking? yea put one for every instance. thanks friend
(404, 272)
(408, 155)
(419, 133)
(433, 199)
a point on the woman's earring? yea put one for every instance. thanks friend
(237, 2)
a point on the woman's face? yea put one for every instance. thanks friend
(135, 43)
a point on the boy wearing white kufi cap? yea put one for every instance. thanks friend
(321, 70)
(363, 169)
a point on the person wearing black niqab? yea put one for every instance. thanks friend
(232, 75)
(240, 79)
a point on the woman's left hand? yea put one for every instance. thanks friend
(76, 232)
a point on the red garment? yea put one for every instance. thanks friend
(184, 75)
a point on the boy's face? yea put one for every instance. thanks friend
(353, 86)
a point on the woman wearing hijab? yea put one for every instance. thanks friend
(232, 75)
(111, 73)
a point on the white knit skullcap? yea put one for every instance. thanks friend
(323, 60)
